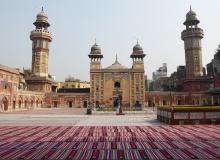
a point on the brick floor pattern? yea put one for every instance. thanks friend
(110, 142)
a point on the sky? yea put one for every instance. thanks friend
(115, 24)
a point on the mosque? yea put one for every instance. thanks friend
(109, 86)
(116, 80)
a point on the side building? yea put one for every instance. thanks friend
(13, 91)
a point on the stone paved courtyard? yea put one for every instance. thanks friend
(77, 117)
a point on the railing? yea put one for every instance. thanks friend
(192, 32)
(41, 31)
(189, 115)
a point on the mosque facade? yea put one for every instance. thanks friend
(117, 83)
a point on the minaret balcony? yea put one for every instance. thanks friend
(192, 32)
(41, 33)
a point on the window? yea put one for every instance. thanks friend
(117, 85)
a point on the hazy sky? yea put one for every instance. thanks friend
(116, 24)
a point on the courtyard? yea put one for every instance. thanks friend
(77, 117)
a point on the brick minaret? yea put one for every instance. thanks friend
(192, 36)
(41, 38)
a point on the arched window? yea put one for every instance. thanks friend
(117, 85)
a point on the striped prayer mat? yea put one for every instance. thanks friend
(110, 142)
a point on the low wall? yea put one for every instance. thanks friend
(189, 114)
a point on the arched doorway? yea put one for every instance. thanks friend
(85, 104)
(37, 103)
(164, 102)
(5, 104)
(150, 103)
(70, 104)
(14, 104)
(25, 104)
(97, 104)
(19, 104)
(55, 104)
(117, 85)
(32, 103)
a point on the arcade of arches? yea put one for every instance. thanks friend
(21, 102)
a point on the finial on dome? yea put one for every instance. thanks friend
(137, 41)
(42, 9)
(190, 8)
(116, 59)
(95, 40)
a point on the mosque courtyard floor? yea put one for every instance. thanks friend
(54, 135)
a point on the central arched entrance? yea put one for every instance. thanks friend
(117, 85)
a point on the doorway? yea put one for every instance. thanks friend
(19, 104)
(150, 104)
(32, 103)
(97, 104)
(55, 103)
(85, 104)
(70, 104)
(25, 104)
(14, 103)
(5, 104)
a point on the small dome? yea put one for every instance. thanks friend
(137, 47)
(95, 50)
(95, 47)
(42, 15)
(191, 18)
(116, 65)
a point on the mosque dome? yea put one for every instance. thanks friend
(42, 18)
(137, 47)
(191, 18)
(95, 51)
(95, 47)
(116, 65)
(42, 14)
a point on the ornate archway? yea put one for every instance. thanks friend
(5, 103)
